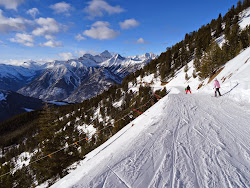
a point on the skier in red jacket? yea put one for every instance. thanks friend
(188, 89)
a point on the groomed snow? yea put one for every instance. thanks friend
(184, 140)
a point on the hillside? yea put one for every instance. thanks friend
(12, 103)
(193, 140)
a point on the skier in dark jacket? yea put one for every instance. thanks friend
(188, 89)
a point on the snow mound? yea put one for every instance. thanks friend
(245, 18)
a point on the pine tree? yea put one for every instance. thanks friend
(186, 68)
(239, 48)
(218, 26)
(246, 4)
(244, 38)
(239, 7)
(233, 39)
(186, 76)
(211, 60)
(197, 64)
(48, 124)
(194, 73)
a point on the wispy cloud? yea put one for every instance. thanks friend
(127, 24)
(13, 24)
(141, 41)
(2, 43)
(11, 4)
(61, 7)
(24, 39)
(33, 12)
(97, 8)
(52, 44)
(79, 37)
(82, 52)
(138, 41)
(66, 55)
(100, 30)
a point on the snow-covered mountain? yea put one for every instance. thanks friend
(184, 140)
(15, 77)
(121, 65)
(77, 79)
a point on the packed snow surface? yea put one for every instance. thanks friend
(183, 141)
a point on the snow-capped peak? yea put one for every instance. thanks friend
(145, 56)
(106, 54)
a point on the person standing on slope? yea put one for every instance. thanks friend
(188, 89)
(216, 87)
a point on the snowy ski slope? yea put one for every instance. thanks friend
(182, 141)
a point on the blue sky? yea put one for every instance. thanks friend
(54, 29)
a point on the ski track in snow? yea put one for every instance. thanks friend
(187, 141)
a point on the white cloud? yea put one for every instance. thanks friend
(61, 7)
(82, 52)
(127, 24)
(25, 62)
(100, 30)
(141, 41)
(2, 43)
(96, 8)
(66, 56)
(11, 4)
(48, 26)
(49, 37)
(138, 41)
(33, 12)
(13, 24)
(79, 37)
(24, 39)
(52, 44)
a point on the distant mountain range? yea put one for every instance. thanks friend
(73, 80)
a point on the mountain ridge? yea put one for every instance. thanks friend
(62, 78)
